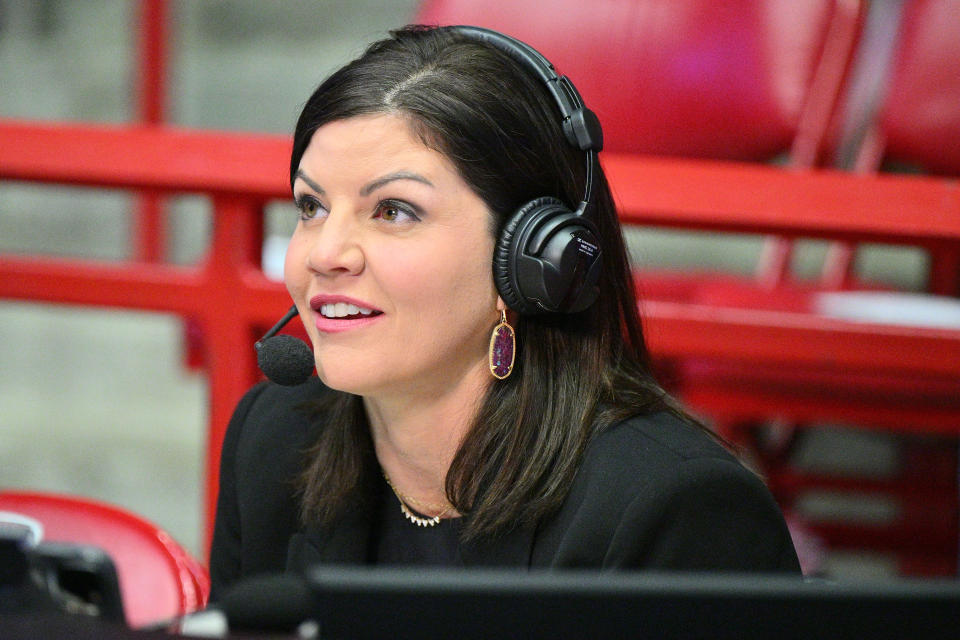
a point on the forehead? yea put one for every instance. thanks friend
(370, 142)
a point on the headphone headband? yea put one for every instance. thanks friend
(580, 124)
(581, 127)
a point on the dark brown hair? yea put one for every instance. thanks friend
(576, 373)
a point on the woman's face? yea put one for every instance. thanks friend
(390, 263)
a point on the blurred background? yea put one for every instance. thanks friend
(102, 402)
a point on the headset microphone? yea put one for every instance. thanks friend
(284, 359)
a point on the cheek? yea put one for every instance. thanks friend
(408, 277)
(294, 268)
(459, 279)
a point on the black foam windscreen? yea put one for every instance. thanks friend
(285, 359)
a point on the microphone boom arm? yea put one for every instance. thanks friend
(273, 331)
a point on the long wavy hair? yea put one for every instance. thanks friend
(575, 374)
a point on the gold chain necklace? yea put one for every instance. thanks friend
(410, 515)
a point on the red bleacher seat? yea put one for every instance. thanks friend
(920, 118)
(686, 78)
(159, 580)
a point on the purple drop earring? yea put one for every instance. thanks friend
(503, 349)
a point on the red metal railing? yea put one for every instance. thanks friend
(240, 173)
(150, 82)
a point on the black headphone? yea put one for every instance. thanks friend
(548, 258)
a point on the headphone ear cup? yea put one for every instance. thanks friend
(507, 251)
(547, 259)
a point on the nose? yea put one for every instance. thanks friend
(335, 247)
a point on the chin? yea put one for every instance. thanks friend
(347, 379)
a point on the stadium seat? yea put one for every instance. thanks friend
(159, 580)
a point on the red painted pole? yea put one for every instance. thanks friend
(149, 232)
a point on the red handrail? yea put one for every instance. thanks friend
(754, 198)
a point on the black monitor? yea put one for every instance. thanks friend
(360, 603)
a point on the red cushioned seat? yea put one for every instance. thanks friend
(158, 579)
(685, 77)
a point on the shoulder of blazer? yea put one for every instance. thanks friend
(263, 454)
(637, 462)
(646, 445)
(647, 482)
(276, 414)
(279, 426)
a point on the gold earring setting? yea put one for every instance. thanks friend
(503, 349)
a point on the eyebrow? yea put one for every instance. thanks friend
(390, 177)
(372, 186)
(310, 183)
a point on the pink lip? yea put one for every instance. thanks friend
(337, 325)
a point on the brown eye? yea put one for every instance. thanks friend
(389, 211)
(308, 207)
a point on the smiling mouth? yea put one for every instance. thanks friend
(345, 311)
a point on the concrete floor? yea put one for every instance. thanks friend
(98, 403)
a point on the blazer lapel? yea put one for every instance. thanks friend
(347, 541)
(511, 549)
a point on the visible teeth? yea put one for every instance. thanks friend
(342, 310)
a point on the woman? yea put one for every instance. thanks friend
(419, 443)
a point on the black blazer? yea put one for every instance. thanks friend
(652, 492)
